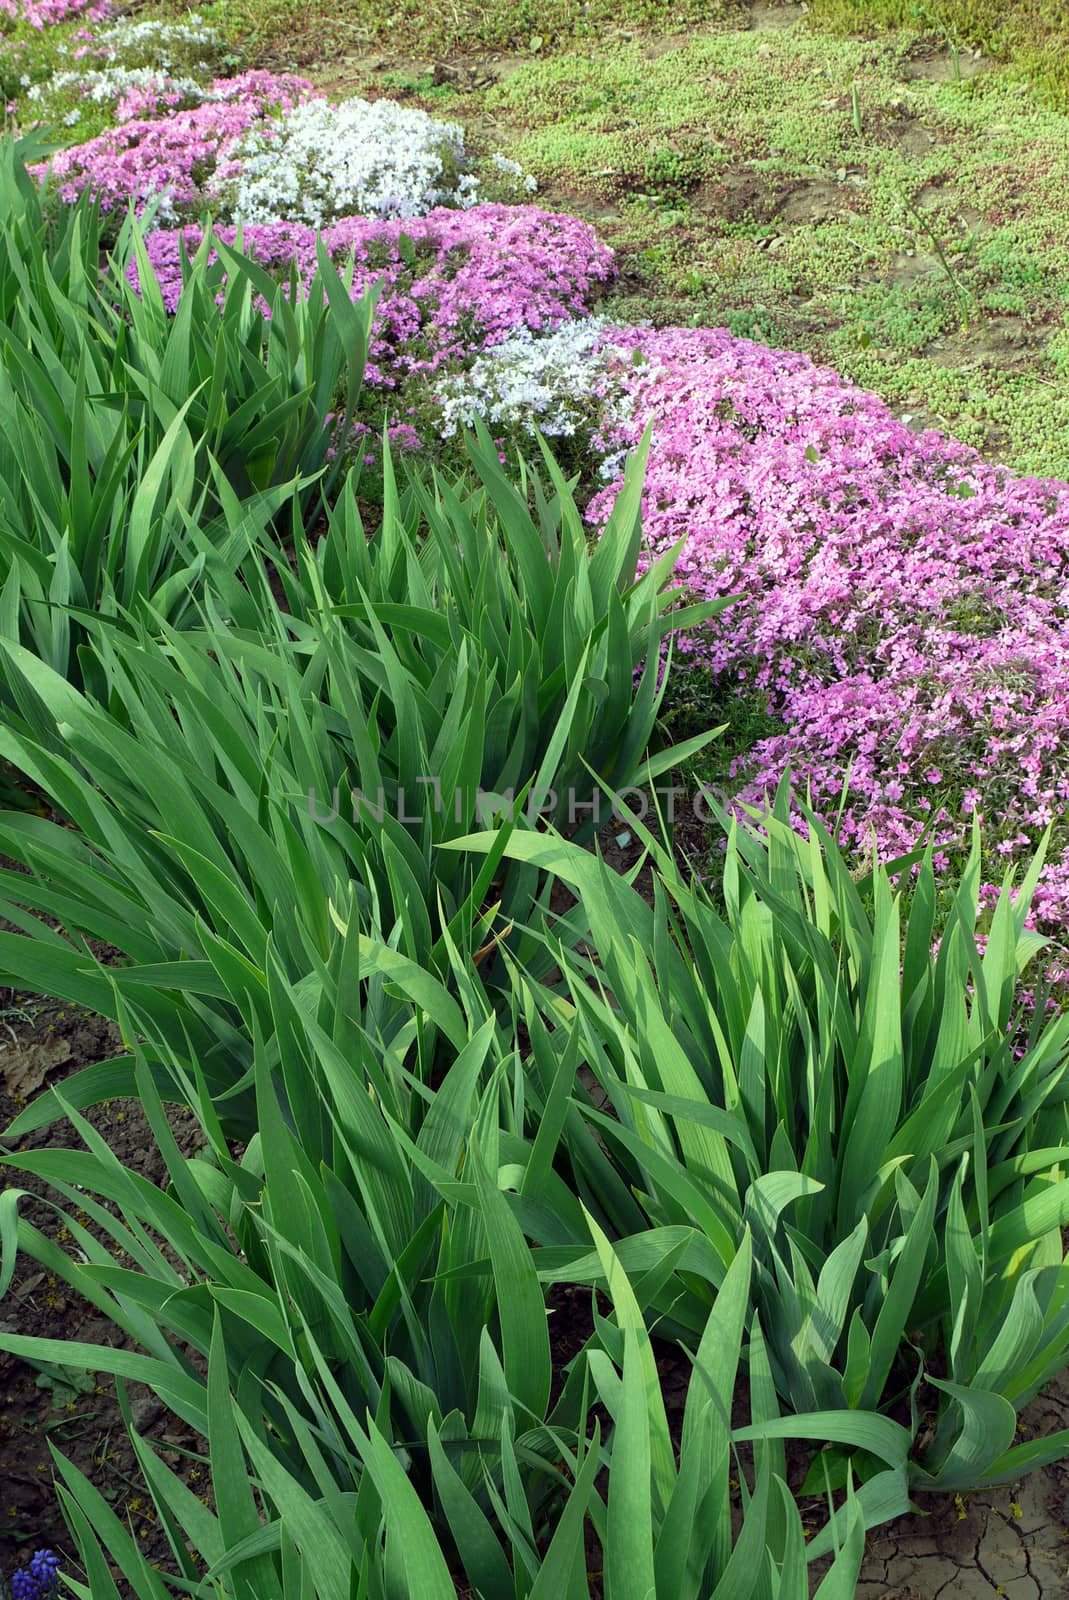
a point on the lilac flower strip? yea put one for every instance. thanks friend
(903, 605)
(172, 155)
(479, 275)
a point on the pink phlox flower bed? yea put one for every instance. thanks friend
(162, 97)
(43, 13)
(453, 281)
(903, 604)
(171, 156)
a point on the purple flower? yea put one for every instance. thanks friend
(171, 156)
(454, 281)
(39, 1580)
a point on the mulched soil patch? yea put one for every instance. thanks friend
(76, 1413)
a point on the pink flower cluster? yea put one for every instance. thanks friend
(43, 13)
(453, 281)
(903, 605)
(171, 156)
(163, 95)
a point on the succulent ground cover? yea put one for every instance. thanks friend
(1031, 37)
(807, 1122)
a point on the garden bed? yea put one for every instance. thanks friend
(442, 1072)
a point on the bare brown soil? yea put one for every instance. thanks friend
(76, 1413)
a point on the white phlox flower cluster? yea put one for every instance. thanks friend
(158, 44)
(467, 191)
(470, 189)
(512, 169)
(560, 383)
(111, 84)
(322, 161)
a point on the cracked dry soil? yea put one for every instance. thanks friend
(1012, 1541)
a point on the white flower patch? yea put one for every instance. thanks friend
(155, 44)
(108, 85)
(467, 192)
(321, 161)
(512, 169)
(502, 179)
(560, 383)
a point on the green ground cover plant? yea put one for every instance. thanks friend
(294, 31)
(1032, 36)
